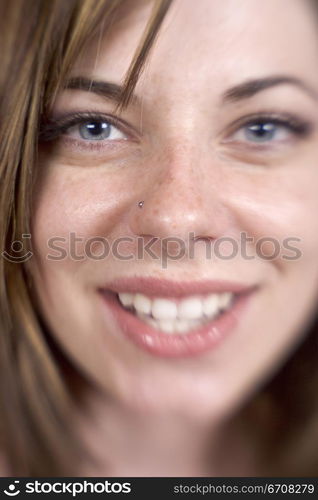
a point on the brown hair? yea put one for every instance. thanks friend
(38, 48)
(39, 43)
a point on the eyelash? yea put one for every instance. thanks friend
(298, 127)
(53, 129)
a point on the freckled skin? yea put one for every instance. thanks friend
(189, 181)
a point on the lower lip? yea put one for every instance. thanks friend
(196, 342)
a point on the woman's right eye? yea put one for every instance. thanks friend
(86, 128)
(95, 130)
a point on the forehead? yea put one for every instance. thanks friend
(224, 40)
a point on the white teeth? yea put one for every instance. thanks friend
(211, 304)
(152, 322)
(127, 299)
(164, 309)
(181, 326)
(177, 317)
(166, 325)
(191, 308)
(142, 304)
(225, 300)
(172, 327)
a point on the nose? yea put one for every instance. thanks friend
(181, 197)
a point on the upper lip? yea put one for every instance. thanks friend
(159, 287)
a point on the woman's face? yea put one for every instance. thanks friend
(220, 143)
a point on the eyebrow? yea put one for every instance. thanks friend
(249, 88)
(245, 90)
(108, 90)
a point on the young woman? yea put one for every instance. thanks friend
(159, 238)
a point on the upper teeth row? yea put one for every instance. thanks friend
(194, 307)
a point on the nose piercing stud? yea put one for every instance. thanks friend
(140, 204)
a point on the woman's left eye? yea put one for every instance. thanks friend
(262, 131)
(95, 130)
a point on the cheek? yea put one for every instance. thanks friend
(78, 204)
(279, 205)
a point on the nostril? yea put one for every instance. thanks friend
(205, 239)
(149, 237)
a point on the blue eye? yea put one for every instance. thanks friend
(95, 130)
(267, 129)
(261, 132)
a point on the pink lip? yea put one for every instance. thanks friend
(199, 341)
(156, 287)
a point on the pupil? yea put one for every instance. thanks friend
(262, 130)
(96, 128)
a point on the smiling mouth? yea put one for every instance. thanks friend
(177, 316)
(175, 319)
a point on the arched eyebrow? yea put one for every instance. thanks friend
(108, 90)
(249, 88)
(245, 90)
